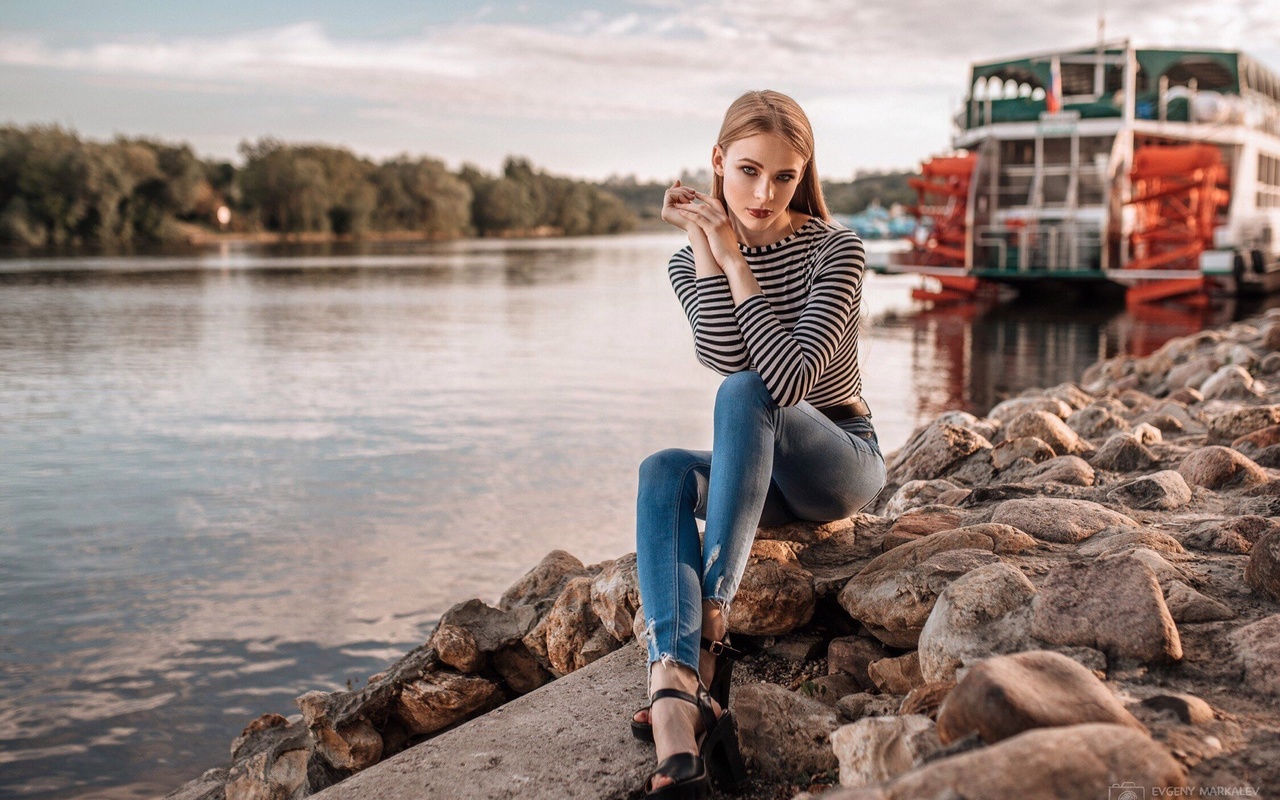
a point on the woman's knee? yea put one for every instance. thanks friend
(666, 468)
(741, 388)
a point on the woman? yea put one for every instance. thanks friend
(772, 290)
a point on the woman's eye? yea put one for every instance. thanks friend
(749, 170)
(786, 178)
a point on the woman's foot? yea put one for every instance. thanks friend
(678, 725)
(714, 628)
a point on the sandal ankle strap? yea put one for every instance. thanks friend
(721, 648)
(677, 694)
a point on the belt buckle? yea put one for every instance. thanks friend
(859, 407)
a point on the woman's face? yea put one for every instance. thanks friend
(760, 175)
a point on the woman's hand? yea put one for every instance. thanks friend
(675, 196)
(711, 218)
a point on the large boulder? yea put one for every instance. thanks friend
(876, 749)
(1227, 427)
(932, 450)
(442, 699)
(1077, 762)
(1257, 648)
(1006, 695)
(1095, 421)
(1123, 453)
(772, 599)
(570, 636)
(1263, 570)
(1219, 468)
(894, 593)
(615, 596)
(783, 734)
(1057, 519)
(1014, 407)
(1048, 428)
(1011, 451)
(916, 493)
(470, 632)
(986, 612)
(1113, 604)
(541, 585)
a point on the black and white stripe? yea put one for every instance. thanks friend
(801, 335)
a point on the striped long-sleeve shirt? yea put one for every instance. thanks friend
(801, 334)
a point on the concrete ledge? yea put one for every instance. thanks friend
(569, 739)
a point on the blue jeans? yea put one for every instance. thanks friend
(772, 465)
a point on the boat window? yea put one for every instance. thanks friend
(1208, 74)
(1037, 93)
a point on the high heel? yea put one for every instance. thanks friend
(718, 761)
(721, 680)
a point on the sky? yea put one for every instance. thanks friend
(582, 89)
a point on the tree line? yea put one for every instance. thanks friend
(57, 189)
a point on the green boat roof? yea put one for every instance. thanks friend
(1216, 70)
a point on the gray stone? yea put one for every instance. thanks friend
(773, 599)
(470, 632)
(1229, 426)
(1189, 709)
(1257, 648)
(1011, 450)
(932, 450)
(1058, 520)
(1069, 470)
(1221, 468)
(1048, 428)
(541, 585)
(913, 494)
(1094, 422)
(783, 734)
(1164, 490)
(1116, 539)
(570, 636)
(1231, 382)
(442, 699)
(1123, 453)
(1186, 605)
(1113, 604)
(1263, 571)
(1009, 694)
(980, 614)
(898, 675)
(876, 749)
(1005, 412)
(615, 596)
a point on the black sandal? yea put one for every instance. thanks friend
(718, 688)
(718, 760)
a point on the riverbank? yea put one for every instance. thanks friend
(1103, 557)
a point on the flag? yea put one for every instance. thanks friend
(1053, 98)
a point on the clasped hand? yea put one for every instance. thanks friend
(701, 214)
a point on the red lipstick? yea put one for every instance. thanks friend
(759, 213)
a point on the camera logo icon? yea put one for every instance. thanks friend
(1126, 791)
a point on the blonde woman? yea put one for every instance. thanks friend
(772, 289)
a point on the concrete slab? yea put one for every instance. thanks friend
(569, 739)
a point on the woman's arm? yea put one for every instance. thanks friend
(703, 291)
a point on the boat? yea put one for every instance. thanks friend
(1154, 172)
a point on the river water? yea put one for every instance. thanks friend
(230, 477)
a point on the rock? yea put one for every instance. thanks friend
(1257, 648)
(209, 786)
(802, 532)
(1070, 394)
(1165, 423)
(782, 733)
(1058, 520)
(1189, 709)
(1077, 762)
(1070, 470)
(1191, 374)
(927, 519)
(985, 428)
(1135, 401)
(932, 450)
(1220, 468)
(980, 614)
(896, 675)
(1270, 365)
(1231, 425)
(1049, 429)
(520, 669)
(1094, 422)
(1158, 564)
(541, 585)
(1123, 453)
(1164, 490)
(1113, 604)
(1253, 443)
(926, 699)
(916, 493)
(1114, 540)
(1187, 605)
(268, 776)
(852, 655)
(895, 591)
(830, 689)
(1014, 407)
(615, 596)
(1011, 450)
(1263, 571)
(1231, 382)
(1186, 396)
(776, 551)
(772, 599)
(1008, 694)
(798, 648)
(1237, 535)
(1148, 434)
(471, 631)
(566, 639)
(354, 747)
(443, 699)
(875, 749)
(857, 706)
(834, 561)
(1268, 457)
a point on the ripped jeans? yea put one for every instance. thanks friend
(768, 466)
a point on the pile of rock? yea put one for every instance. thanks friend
(1079, 590)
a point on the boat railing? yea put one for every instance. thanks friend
(1038, 247)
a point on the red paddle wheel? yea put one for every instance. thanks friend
(942, 203)
(1176, 196)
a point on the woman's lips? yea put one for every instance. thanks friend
(759, 213)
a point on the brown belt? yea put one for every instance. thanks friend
(857, 407)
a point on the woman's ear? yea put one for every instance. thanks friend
(717, 160)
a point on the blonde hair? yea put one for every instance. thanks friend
(773, 112)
